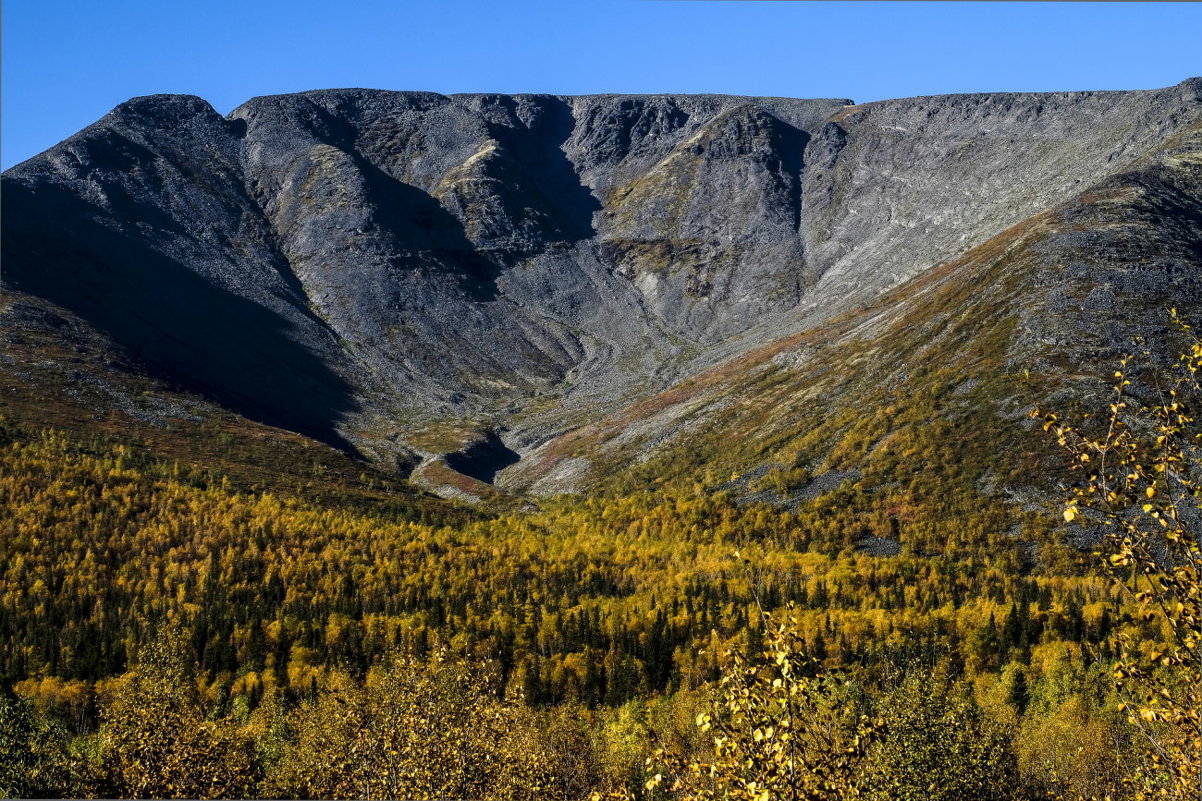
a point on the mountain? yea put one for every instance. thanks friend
(550, 293)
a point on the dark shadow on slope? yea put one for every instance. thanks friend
(191, 331)
(483, 460)
(791, 144)
(536, 175)
(426, 233)
(555, 184)
(423, 233)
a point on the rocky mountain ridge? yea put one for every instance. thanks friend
(409, 275)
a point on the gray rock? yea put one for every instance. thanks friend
(355, 264)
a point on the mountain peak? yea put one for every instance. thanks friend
(405, 261)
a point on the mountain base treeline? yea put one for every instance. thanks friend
(167, 634)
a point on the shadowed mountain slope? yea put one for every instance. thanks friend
(411, 276)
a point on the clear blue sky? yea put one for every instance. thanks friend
(67, 62)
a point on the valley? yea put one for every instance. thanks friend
(539, 413)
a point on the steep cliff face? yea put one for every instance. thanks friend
(144, 226)
(906, 184)
(377, 269)
(1039, 314)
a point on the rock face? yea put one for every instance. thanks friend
(1039, 315)
(362, 265)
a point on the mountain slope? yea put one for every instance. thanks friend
(406, 275)
(1031, 316)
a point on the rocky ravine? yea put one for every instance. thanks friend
(407, 274)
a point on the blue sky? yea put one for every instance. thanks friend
(65, 64)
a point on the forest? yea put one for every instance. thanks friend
(171, 631)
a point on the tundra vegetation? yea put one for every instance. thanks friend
(824, 552)
(168, 634)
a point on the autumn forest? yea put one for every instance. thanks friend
(380, 645)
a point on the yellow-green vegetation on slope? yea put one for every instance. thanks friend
(878, 477)
(56, 372)
(602, 603)
(915, 381)
(936, 374)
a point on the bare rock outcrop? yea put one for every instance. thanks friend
(356, 264)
